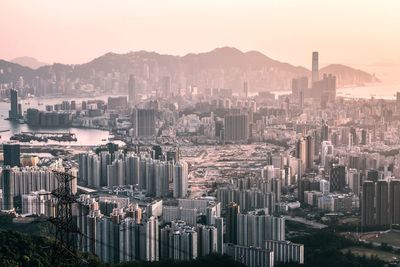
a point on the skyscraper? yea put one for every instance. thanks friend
(250, 256)
(286, 251)
(299, 85)
(301, 151)
(382, 198)
(337, 178)
(180, 179)
(394, 201)
(367, 204)
(353, 177)
(12, 155)
(144, 122)
(315, 68)
(166, 86)
(310, 153)
(14, 113)
(327, 152)
(131, 89)
(245, 89)
(324, 132)
(232, 223)
(236, 128)
(8, 189)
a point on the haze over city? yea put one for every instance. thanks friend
(357, 33)
(200, 133)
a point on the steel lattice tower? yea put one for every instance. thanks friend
(66, 231)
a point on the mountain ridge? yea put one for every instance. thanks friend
(221, 67)
(29, 62)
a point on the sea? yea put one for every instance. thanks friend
(85, 137)
(376, 91)
(94, 137)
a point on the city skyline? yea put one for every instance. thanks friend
(210, 151)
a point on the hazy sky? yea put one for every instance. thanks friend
(354, 32)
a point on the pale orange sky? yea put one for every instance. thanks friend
(355, 32)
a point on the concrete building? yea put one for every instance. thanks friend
(250, 256)
(367, 204)
(236, 128)
(180, 179)
(382, 203)
(144, 123)
(286, 251)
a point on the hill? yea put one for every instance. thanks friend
(225, 67)
(349, 76)
(29, 62)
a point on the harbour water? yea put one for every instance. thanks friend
(377, 91)
(86, 137)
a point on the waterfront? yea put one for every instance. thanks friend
(377, 91)
(86, 137)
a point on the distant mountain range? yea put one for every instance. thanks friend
(29, 62)
(222, 67)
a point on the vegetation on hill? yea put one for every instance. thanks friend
(322, 248)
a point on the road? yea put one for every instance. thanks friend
(312, 224)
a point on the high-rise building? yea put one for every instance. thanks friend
(132, 168)
(254, 229)
(156, 152)
(166, 86)
(236, 128)
(299, 85)
(117, 102)
(327, 153)
(305, 150)
(105, 160)
(173, 155)
(394, 201)
(354, 180)
(131, 89)
(12, 155)
(367, 204)
(286, 251)
(144, 122)
(245, 89)
(301, 152)
(315, 67)
(250, 256)
(180, 179)
(325, 89)
(7, 185)
(232, 223)
(324, 132)
(324, 187)
(93, 171)
(372, 175)
(15, 110)
(381, 203)
(207, 240)
(364, 137)
(337, 178)
(303, 185)
(179, 242)
(310, 152)
(219, 223)
(161, 179)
